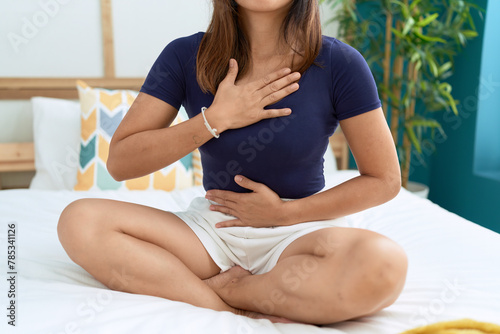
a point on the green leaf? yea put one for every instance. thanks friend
(469, 33)
(397, 33)
(445, 67)
(429, 38)
(413, 138)
(404, 8)
(445, 88)
(414, 57)
(408, 26)
(425, 123)
(414, 4)
(418, 65)
(453, 104)
(433, 66)
(428, 20)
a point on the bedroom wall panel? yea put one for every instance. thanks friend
(143, 28)
(50, 38)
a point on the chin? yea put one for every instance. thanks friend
(264, 5)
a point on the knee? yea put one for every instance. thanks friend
(75, 225)
(386, 268)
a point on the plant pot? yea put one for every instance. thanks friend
(419, 189)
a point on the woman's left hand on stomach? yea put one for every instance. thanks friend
(260, 208)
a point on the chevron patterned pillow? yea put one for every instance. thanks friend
(102, 111)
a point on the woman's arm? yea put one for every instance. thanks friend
(373, 148)
(144, 142)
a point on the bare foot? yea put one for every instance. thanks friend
(218, 282)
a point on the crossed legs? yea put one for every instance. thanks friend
(330, 275)
(326, 276)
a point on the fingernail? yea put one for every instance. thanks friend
(231, 62)
(238, 178)
(295, 86)
(288, 111)
(287, 70)
(217, 225)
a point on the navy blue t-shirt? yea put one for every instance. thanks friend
(284, 153)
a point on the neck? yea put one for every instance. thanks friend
(263, 32)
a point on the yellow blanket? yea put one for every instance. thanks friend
(463, 326)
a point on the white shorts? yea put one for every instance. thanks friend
(254, 249)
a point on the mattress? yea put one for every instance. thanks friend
(454, 272)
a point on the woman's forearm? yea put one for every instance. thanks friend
(148, 151)
(357, 194)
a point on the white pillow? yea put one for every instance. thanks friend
(56, 133)
(330, 164)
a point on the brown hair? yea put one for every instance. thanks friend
(225, 39)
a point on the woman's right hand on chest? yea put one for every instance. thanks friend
(237, 106)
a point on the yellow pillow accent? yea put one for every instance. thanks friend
(141, 183)
(103, 149)
(89, 125)
(113, 100)
(85, 180)
(88, 100)
(167, 182)
(463, 326)
(197, 168)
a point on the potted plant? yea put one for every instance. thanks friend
(410, 47)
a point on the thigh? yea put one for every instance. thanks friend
(332, 241)
(95, 218)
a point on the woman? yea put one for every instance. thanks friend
(262, 139)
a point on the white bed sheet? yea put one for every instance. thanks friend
(454, 272)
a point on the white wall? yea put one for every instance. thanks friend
(62, 38)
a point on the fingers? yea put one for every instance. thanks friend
(222, 197)
(280, 84)
(247, 183)
(232, 73)
(229, 223)
(280, 94)
(268, 79)
(273, 113)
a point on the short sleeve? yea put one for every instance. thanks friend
(166, 80)
(354, 88)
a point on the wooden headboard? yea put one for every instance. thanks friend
(16, 157)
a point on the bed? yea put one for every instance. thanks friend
(454, 272)
(454, 269)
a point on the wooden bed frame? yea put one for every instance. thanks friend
(19, 157)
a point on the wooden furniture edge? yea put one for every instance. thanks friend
(63, 88)
(16, 157)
